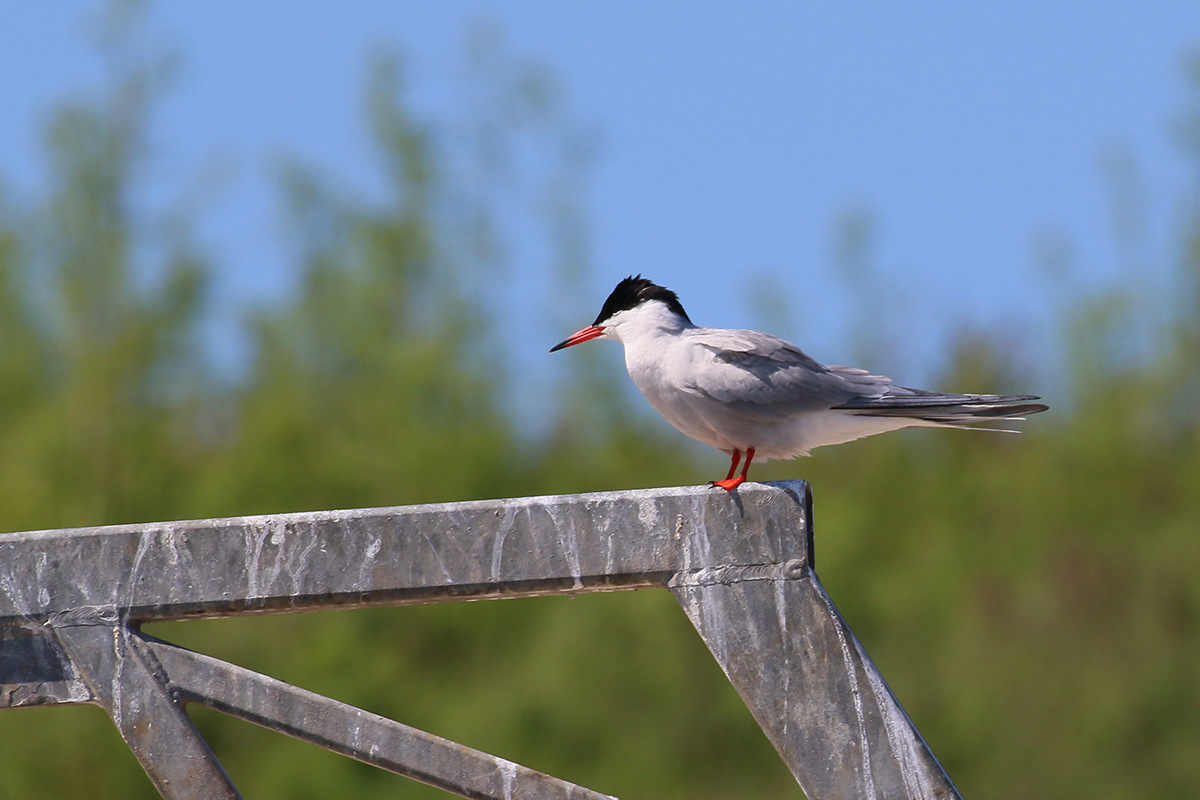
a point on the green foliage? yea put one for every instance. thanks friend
(1031, 600)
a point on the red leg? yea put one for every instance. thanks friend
(731, 483)
(737, 458)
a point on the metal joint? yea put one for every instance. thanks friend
(790, 570)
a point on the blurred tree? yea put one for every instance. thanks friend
(98, 372)
(96, 359)
(1031, 600)
(375, 383)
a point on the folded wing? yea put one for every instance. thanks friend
(762, 378)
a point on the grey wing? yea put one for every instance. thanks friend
(763, 378)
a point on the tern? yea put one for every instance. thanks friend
(755, 395)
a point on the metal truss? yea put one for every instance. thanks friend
(740, 565)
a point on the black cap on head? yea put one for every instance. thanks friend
(635, 290)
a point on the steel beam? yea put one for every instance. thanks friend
(740, 565)
(810, 685)
(391, 556)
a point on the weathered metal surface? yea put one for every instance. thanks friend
(296, 562)
(356, 733)
(810, 685)
(34, 669)
(161, 736)
(740, 564)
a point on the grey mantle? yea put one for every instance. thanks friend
(740, 565)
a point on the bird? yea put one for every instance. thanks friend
(753, 395)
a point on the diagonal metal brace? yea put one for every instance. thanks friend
(353, 732)
(809, 683)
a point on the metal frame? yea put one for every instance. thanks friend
(740, 565)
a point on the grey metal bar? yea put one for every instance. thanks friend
(35, 670)
(356, 733)
(810, 685)
(297, 562)
(740, 564)
(159, 733)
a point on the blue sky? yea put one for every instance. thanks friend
(729, 139)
